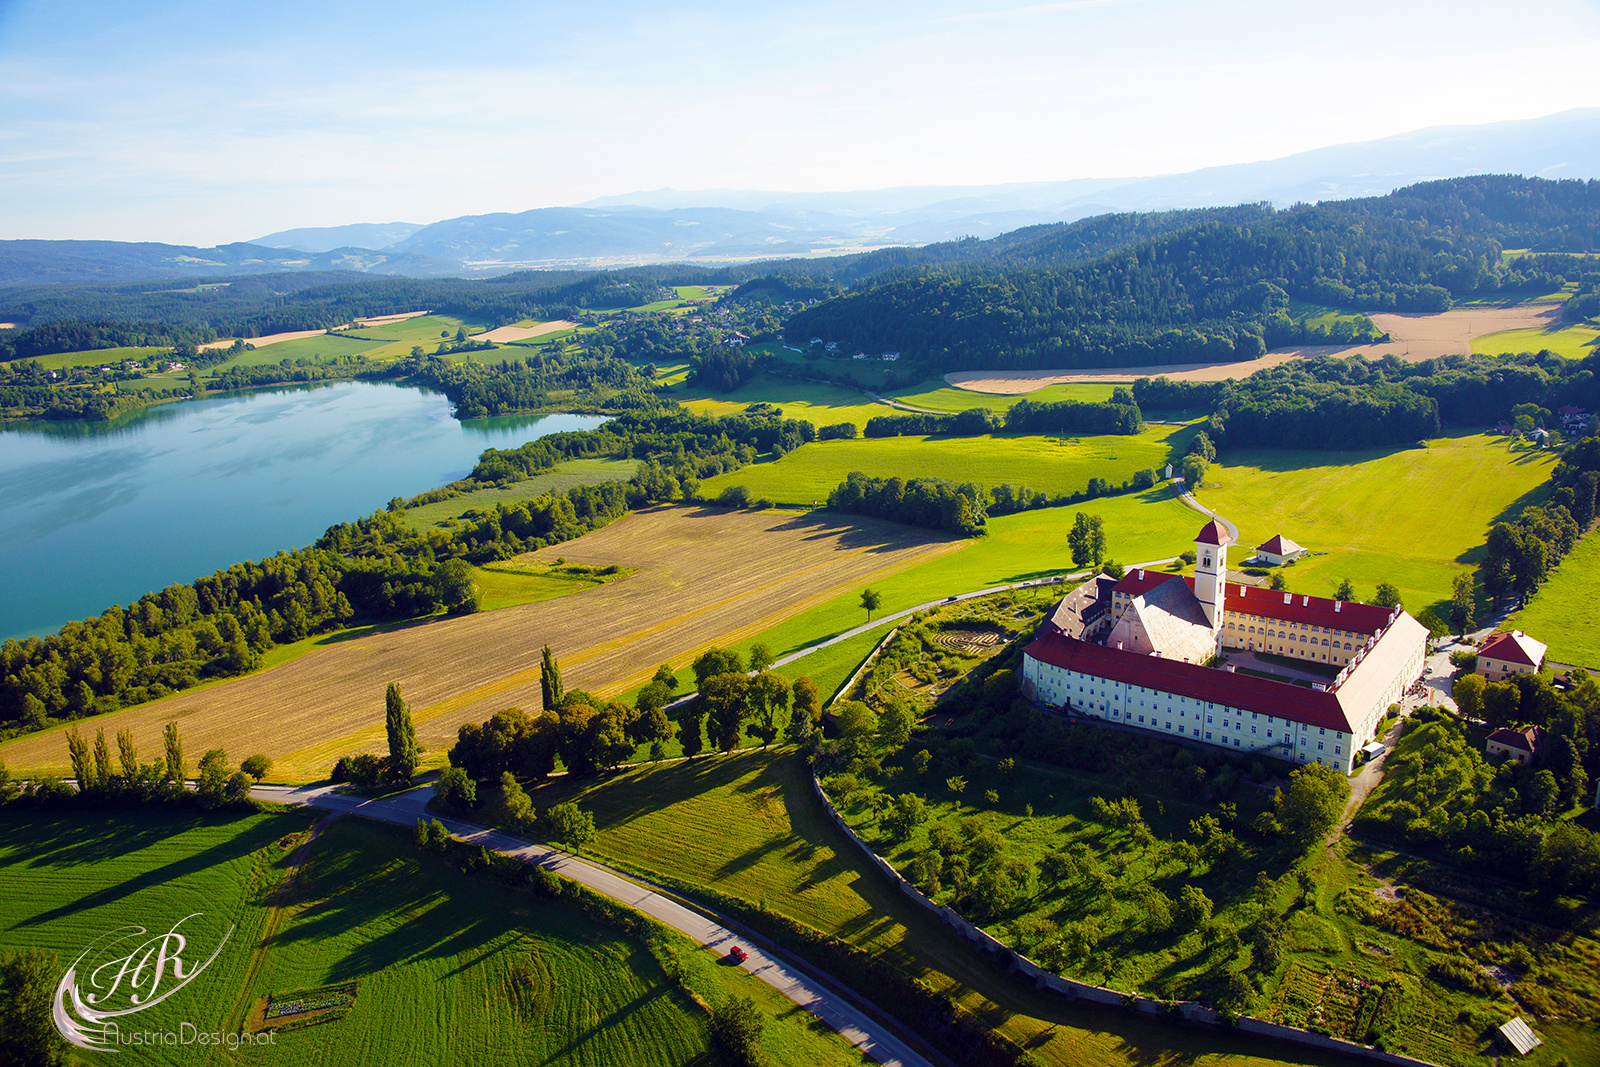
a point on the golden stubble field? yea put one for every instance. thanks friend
(704, 577)
(1413, 337)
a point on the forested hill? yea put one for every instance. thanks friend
(1219, 288)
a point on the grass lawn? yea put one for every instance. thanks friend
(69, 877)
(1049, 464)
(449, 969)
(94, 357)
(564, 476)
(1416, 517)
(748, 826)
(1573, 342)
(1565, 613)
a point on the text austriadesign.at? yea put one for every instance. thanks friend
(1134, 653)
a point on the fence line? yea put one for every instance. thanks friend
(1075, 990)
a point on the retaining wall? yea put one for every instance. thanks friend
(1075, 990)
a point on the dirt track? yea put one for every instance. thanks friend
(1414, 338)
(704, 577)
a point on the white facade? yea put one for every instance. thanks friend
(1189, 718)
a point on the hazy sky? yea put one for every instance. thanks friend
(204, 122)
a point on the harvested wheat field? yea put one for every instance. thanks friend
(704, 577)
(262, 342)
(506, 334)
(1412, 337)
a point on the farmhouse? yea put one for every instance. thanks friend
(1519, 745)
(1510, 653)
(1139, 654)
(1278, 551)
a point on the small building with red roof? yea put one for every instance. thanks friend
(1510, 653)
(1278, 550)
(1520, 745)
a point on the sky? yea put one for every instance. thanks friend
(207, 122)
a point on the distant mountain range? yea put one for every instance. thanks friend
(727, 225)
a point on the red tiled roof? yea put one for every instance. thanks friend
(1305, 610)
(1212, 533)
(1139, 582)
(1279, 545)
(1513, 647)
(1311, 706)
(1512, 739)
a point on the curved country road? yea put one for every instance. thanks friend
(776, 969)
(1189, 501)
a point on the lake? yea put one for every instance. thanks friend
(95, 514)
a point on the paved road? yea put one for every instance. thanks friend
(1189, 500)
(774, 968)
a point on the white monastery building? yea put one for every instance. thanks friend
(1135, 653)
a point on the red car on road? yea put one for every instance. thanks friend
(737, 954)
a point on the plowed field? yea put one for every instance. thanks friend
(704, 577)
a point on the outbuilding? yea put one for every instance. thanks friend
(1278, 551)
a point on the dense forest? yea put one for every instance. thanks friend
(1219, 289)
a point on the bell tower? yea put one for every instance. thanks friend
(1211, 570)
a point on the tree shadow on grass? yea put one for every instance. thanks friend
(637, 1004)
(251, 839)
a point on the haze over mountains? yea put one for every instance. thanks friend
(712, 226)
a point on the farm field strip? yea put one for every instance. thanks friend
(703, 577)
(1052, 465)
(1415, 517)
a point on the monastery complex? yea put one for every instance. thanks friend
(1142, 653)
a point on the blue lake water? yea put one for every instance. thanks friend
(94, 514)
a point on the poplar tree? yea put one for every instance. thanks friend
(550, 681)
(403, 752)
(176, 771)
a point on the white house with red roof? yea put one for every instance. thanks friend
(1149, 671)
(1279, 550)
(1510, 653)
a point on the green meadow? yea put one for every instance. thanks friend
(748, 826)
(95, 357)
(936, 396)
(1049, 464)
(820, 403)
(447, 969)
(1415, 517)
(322, 347)
(566, 475)
(1565, 612)
(1573, 342)
(1140, 527)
